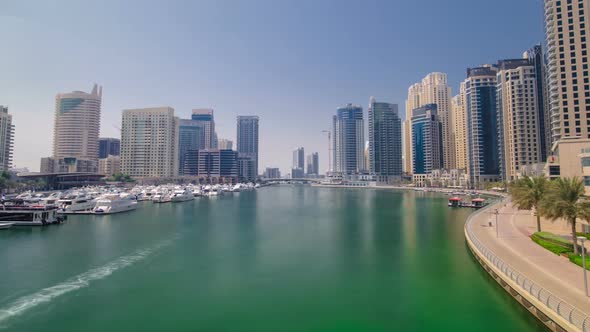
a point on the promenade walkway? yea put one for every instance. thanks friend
(513, 245)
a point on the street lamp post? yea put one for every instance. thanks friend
(582, 239)
(496, 212)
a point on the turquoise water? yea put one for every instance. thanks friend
(285, 258)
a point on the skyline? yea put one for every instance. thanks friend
(250, 60)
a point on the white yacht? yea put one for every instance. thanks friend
(22, 215)
(114, 203)
(181, 195)
(75, 203)
(161, 197)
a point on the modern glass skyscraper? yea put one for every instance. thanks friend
(247, 145)
(6, 139)
(299, 158)
(313, 166)
(482, 125)
(536, 59)
(385, 140)
(205, 118)
(427, 149)
(77, 124)
(108, 146)
(349, 141)
(567, 27)
(190, 137)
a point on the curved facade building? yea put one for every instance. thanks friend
(77, 124)
(349, 140)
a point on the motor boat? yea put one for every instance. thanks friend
(161, 197)
(114, 203)
(180, 195)
(75, 203)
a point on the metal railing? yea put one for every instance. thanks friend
(554, 303)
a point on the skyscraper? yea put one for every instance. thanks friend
(190, 137)
(459, 110)
(149, 142)
(385, 140)
(299, 158)
(225, 144)
(536, 58)
(313, 167)
(205, 118)
(566, 30)
(77, 124)
(247, 145)
(436, 90)
(482, 125)
(433, 89)
(108, 147)
(6, 139)
(518, 111)
(348, 144)
(413, 102)
(426, 139)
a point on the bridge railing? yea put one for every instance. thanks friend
(549, 300)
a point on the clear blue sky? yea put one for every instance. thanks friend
(290, 62)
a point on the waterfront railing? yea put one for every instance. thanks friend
(548, 299)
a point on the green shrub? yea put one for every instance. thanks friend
(577, 259)
(586, 235)
(554, 239)
(554, 248)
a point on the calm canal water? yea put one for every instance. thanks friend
(286, 258)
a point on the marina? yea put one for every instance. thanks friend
(339, 258)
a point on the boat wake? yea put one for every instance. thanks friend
(83, 280)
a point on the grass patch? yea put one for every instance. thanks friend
(554, 248)
(577, 259)
(553, 242)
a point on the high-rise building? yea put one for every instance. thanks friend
(247, 147)
(313, 166)
(433, 89)
(149, 142)
(349, 140)
(413, 102)
(459, 110)
(482, 125)
(385, 140)
(299, 158)
(77, 124)
(272, 173)
(566, 29)
(225, 144)
(426, 140)
(6, 139)
(205, 118)
(109, 165)
(536, 58)
(191, 136)
(518, 112)
(436, 90)
(108, 147)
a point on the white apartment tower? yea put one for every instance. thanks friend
(6, 139)
(77, 124)
(566, 30)
(520, 140)
(413, 102)
(459, 116)
(149, 142)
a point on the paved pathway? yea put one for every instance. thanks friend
(513, 244)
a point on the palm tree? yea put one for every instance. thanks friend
(565, 199)
(527, 194)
